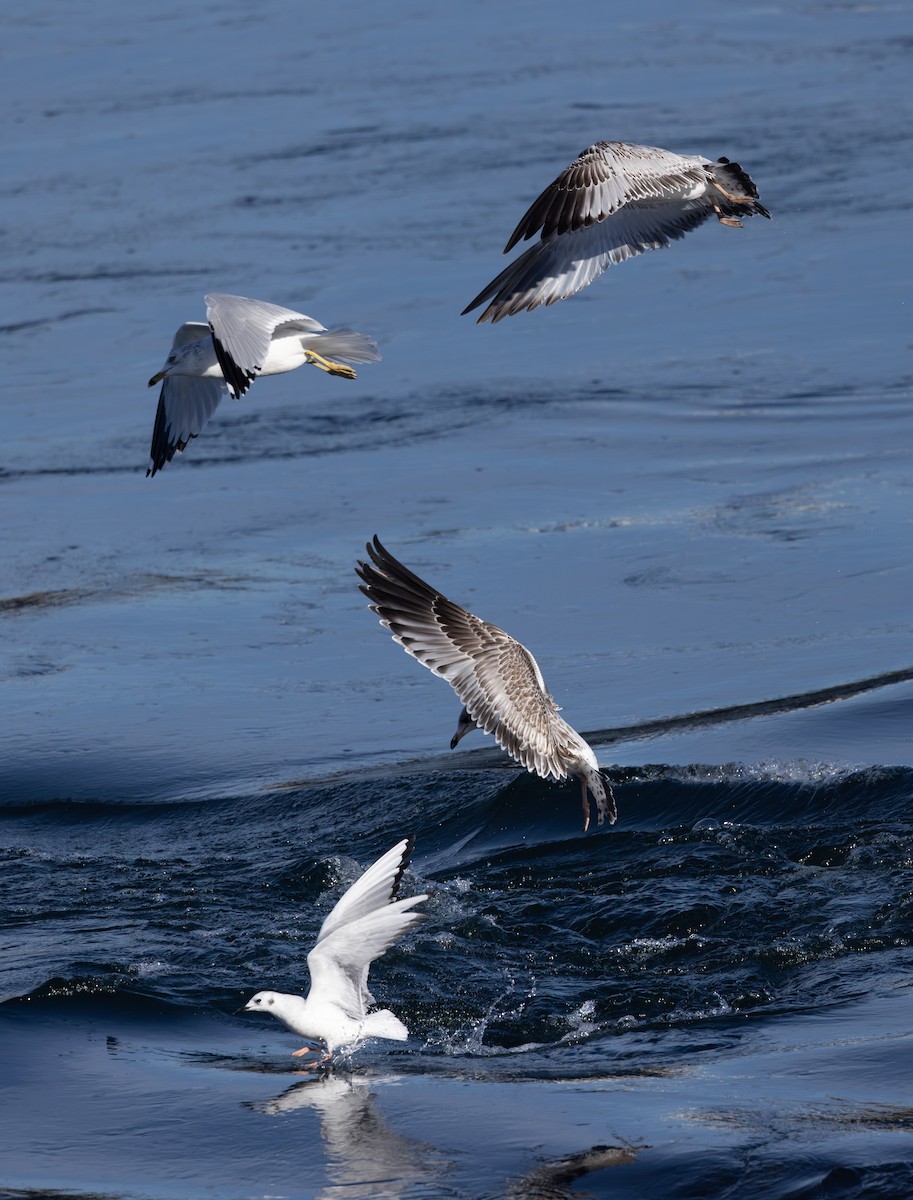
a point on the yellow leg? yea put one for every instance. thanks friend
(326, 364)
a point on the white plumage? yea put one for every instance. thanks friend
(496, 678)
(615, 201)
(240, 340)
(364, 923)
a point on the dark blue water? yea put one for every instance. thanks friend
(687, 489)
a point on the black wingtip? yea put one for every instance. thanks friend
(403, 865)
(236, 377)
(389, 568)
(160, 452)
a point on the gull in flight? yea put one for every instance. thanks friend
(364, 923)
(615, 201)
(497, 679)
(239, 340)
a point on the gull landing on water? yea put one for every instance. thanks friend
(364, 923)
(615, 201)
(497, 679)
(239, 340)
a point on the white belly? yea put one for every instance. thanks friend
(285, 354)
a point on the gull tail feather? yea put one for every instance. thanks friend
(736, 180)
(344, 344)
(383, 1024)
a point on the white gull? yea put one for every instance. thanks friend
(364, 923)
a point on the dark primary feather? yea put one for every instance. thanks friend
(403, 864)
(163, 448)
(237, 379)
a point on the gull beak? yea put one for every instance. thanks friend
(156, 379)
(246, 1008)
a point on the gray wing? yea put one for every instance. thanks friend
(186, 402)
(497, 679)
(604, 178)
(563, 263)
(242, 330)
(190, 331)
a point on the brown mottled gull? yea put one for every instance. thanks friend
(497, 679)
(615, 201)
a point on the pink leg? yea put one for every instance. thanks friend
(318, 1062)
(586, 806)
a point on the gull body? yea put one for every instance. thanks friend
(615, 201)
(497, 679)
(240, 340)
(364, 923)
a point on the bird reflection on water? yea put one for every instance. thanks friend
(364, 1154)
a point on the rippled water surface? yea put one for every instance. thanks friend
(687, 489)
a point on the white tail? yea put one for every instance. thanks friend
(384, 1024)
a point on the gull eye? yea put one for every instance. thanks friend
(258, 1001)
(172, 358)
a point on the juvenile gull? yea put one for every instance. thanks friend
(240, 339)
(497, 679)
(614, 202)
(364, 923)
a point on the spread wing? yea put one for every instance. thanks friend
(242, 330)
(563, 263)
(186, 403)
(604, 178)
(340, 961)
(497, 679)
(615, 201)
(374, 889)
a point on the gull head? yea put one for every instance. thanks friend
(166, 370)
(190, 358)
(264, 1002)
(464, 726)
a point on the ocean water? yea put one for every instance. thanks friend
(688, 490)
